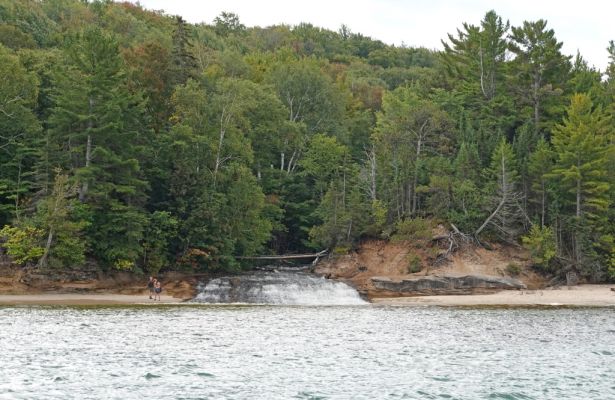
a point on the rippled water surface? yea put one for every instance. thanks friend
(262, 352)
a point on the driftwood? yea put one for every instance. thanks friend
(316, 256)
(456, 239)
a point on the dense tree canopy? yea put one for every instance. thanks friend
(135, 140)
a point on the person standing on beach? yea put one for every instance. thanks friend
(150, 286)
(157, 290)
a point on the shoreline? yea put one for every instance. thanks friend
(72, 299)
(579, 296)
(575, 296)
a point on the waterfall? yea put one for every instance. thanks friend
(289, 288)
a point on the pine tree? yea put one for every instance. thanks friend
(477, 54)
(539, 166)
(95, 133)
(184, 63)
(539, 66)
(20, 139)
(583, 146)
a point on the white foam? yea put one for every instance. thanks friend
(287, 288)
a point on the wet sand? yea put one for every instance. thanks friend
(83, 299)
(582, 295)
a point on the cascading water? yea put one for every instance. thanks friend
(291, 288)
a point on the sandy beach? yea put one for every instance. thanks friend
(582, 295)
(82, 299)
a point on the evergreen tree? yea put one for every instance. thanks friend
(583, 146)
(540, 67)
(184, 65)
(478, 53)
(539, 166)
(95, 131)
(20, 139)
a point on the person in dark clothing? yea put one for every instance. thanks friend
(157, 290)
(150, 286)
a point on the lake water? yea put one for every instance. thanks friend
(282, 352)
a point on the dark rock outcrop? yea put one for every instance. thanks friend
(433, 285)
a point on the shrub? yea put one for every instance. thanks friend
(412, 229)
(414, 263)
(540, 241)
(124, 265)
(513, 269)
(341, 250)
(22, 244)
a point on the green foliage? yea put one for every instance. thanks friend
(414, 263)
(341, 250)
(20, 139)
(379, 218)
(513, 269)
(67, 251)
(98, 118)
(407, 128)
(160, 230)
(540, 241)
(539, 166)
(505, 212)
(62, 219)
(22, 244)
(540, 71)
(412, 229)
(611, 270)
(187, 146)
(583, 145)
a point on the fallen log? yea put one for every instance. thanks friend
(285, 256)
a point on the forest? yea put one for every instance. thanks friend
(134, 140)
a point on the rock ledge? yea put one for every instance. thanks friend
(431, 285)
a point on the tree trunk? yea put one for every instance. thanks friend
(88, 159)
(536, 89)
(577, 236)
(219, 153)
(17, 216)
(543, 201)
(88, 150)
(416, 173)
(43, 261)
(504, 188)
(482, 72)
(493, 214)
(290, 162)
(372, 161)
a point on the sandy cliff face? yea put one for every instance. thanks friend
(377, 261)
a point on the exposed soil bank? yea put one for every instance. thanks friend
(378, 268)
